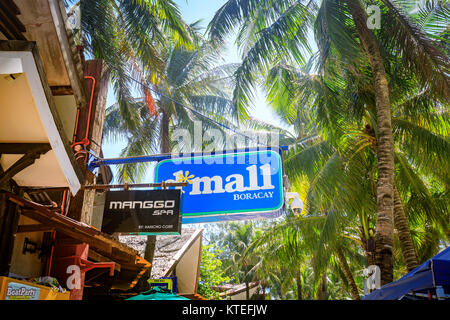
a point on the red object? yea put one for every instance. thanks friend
(150, 104)
(85, 141)
(53, 236)
(66, 257)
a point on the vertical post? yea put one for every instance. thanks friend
(3, 215)
(9, 220)
(66, 267)
(81, 205)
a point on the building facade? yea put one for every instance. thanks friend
(52, 108)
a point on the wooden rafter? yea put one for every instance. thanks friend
(62, 90)
(24, 162)
(10, 25)
(25, 228)
(23, 148)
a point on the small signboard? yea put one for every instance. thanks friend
(143, 212)
(19, 291)
(163, 282)
(237, 185)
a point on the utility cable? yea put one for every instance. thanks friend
(133, 159)
(190, 109)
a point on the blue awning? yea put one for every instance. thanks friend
(434, 272)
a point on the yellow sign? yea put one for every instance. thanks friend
(14, 289)
(165, 283)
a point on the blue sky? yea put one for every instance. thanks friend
(193, 10)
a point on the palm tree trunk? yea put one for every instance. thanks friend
(348, 274)
(299, 285)
(247, 287)
(384, 239)
(367, 245)
(263, 288)
(369, 254)
(404, 233)
(150, 252)
(164, 133)
(165, 148)
(323, 287)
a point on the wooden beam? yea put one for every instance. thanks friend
(131, 265)
(16, 45)
(34, 228)
(104, 248)
(10, 25)
(23, 148)
(10, 220)
(81, 205)
(12, 7)
(24, 162)
(122, 255)
(62, 90)
(73, 69)
(93, 255)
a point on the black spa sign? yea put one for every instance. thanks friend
(142, 212)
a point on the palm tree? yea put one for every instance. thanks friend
(311, 158)
(347, 273)
(293, 246)
(278, 30)
(237, 240)
(281, 262)
(400, 220)
(417, 122)
(190, 83)
(126, 34)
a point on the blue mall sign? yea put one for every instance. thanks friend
(231, 185)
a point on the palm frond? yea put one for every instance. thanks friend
(286, 37)
(424, 147)
(235, 12)
(419, 52)
(169, 18)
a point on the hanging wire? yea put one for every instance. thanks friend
(186, 107)
(192, 110)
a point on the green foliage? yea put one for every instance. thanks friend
(189, 80)
(211, 272)
(328, 98)
(330, 101)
